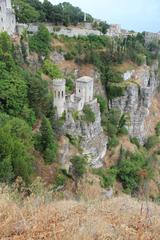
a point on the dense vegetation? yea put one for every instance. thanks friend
(24, 97)
(108, 53)
(35, 11)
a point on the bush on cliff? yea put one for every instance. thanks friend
(89, 115)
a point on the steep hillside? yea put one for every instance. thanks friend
(117, 218)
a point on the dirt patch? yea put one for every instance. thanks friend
(46, 172)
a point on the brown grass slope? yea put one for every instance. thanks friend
(115, 219)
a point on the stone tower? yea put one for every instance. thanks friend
(84, 88)
(59, 95)
(7, 17)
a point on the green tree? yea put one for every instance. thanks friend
(130, 168)
(102, 102)
(78, 168)
(15, 150)
(41, 41)
(38, 95)
(48, 141)
(13, 88)
(25, 13)
(103, 26)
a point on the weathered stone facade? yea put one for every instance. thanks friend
(137, 99)
(76, 101)
(7, 17)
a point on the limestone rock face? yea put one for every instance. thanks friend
(93, 142)
(138, 98)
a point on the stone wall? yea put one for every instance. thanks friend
(7, 17)
(138, 98)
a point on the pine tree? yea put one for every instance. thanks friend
(48, 141)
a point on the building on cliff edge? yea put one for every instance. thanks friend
(90, 135)
(75, 101)
(7, 17)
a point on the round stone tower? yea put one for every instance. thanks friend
(59, 95)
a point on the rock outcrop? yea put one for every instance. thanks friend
(137, 99)
(92, 140)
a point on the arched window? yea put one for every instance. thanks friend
(62, 94)
(59, 94)
(79, 90)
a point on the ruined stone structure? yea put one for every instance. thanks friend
(7, 17)
(92, 140)
(76, 101)
(59, 95)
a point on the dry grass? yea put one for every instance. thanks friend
(113, 155)
(127, 66)
(117, 218)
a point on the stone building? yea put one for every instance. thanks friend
(90, 135)
(59, 95)
(75, 101)
(7, 17)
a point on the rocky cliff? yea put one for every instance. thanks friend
(92, 140)
(136, 101)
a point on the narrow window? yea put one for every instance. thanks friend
(59, 94)
(79, 90)
(62, 94)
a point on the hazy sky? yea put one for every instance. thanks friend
(136, 15)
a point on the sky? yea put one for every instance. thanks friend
(138, 15)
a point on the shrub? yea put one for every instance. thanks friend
(88, 116)
(123, 131)
(41, 41)
(135, 141)
(75, 115)
(102, 103)
(115, 90)
(113, 142)
(69, 56)
(69, 85)
(28, 115)
(107, 176)
(152, 142)
(78, 169)
(133, 169)
(60, 179)
(111, 129)
(74, 140)
(51, 69)
(114, 116)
